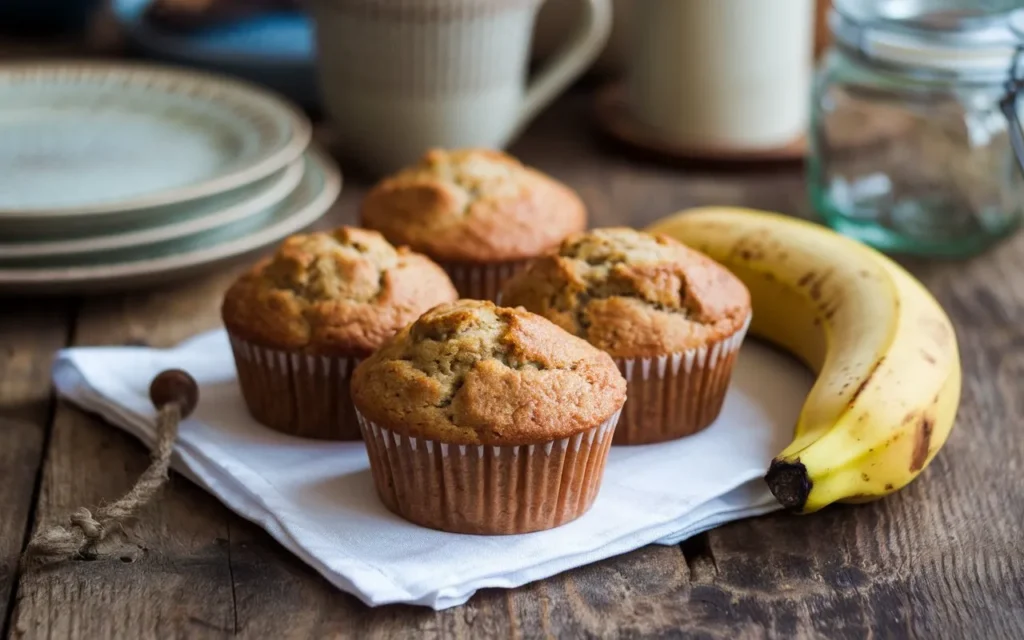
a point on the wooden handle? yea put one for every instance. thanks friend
(177, 386)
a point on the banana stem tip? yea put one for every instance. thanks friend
(789, 483)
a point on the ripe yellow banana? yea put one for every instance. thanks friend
(885, 353)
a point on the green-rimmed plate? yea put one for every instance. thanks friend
(182, 220)
(145, 266)
(95, 139)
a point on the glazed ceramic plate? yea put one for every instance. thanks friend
(138, 267)
(81, 139)
(184, 220)
(274, 49)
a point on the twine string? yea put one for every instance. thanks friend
(86, 529)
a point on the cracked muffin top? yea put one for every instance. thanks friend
(632, 294)
(340, 293)
(474, 373)
(473, 205)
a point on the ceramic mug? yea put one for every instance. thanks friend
(401, 76)
(556, 18)
(722, 74)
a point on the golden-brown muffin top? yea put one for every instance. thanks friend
(473, 205)
(474, 373)
(342, 292)
(632, 294)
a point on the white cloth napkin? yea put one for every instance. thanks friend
(317, 499)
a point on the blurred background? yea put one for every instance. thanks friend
(901, 114)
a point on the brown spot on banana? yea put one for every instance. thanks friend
(816, 286)
(922, 441)
(929, 358)
(748, 248)
(861, 498)
(867, 379)
(865, 477)
(805, 279)
(888, 486)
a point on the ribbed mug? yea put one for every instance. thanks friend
(401, 76)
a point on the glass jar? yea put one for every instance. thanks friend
(910, 146)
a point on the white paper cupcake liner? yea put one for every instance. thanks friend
(677, 394)
(481, 281)
(487, 489)
(297, 393)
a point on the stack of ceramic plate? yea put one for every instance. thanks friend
(115, 176)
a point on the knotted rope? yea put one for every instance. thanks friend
(174, 393)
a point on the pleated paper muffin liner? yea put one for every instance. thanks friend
(486, 489)
(677, 394)
(296, 393)
(481, 281)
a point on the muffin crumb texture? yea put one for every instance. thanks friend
(473, 205)
(473, 373)
(341, 293)
(633, 294)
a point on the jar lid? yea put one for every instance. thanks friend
(959, 37)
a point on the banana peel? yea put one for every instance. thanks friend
(885, 353)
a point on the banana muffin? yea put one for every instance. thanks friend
(672, 318)
(300, 320)
(482, 419)
(479, 213)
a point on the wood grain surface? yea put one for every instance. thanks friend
(942, 559)
(27, 342)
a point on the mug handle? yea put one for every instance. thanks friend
(571, 60)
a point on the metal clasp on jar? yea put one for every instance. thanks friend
(1008, 104)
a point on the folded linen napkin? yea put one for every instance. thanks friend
(318, 500)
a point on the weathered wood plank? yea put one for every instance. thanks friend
(179, 581)
(638, 594)
(29, 334)
(179, 584)
(941, 559)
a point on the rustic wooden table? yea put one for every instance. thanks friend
(943, 558)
